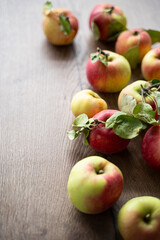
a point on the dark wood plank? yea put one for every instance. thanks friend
(37, 84)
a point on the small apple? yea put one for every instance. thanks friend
(88, 102)
(94, 184)
(107, 71)
(103, 139)
(59, 25)
(135, 90)
(106, 20)
(150, 147)
(151, 64)
(139, 219)
(131, 39)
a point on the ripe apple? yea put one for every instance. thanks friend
(59, 25)
(139, 219)
(151, 64)
(136, 37)
(107, 71)
(88, 102)
(103, 139)
(94, 184)
(106, 20)
(134, 90)
(150, 147)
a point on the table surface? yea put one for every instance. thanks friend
(37, 83)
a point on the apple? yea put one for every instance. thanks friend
(59, 25)
(139, 219)
(106, 20)
(151, 64)
(129, 39)
(88, 102)
(150, 147)
(103, 139)
(94, 184)
(107, 71)
(134, 90)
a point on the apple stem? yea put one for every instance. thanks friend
(135, 33)
(147, 218)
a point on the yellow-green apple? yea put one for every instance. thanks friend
(139, 219)
(88, 102)
(103, 139)
(130, 39)
(151, 64)
(59, 25)
(150, 147)
(108, 71)
(106, 20)
(135, 90)
(94, 184)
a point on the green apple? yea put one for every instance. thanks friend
(139, 219)
(88, 102)
(134, 90)
(94, 184)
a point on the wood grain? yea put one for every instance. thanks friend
(37, 83)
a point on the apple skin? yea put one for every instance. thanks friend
(132, 38)
(94, 184)
(104, 140)
(52, 27)
(134, 90)
(104, 20)
(132, 219)
(150, 147)
(151, 64)
(88, 102)
(110, 78)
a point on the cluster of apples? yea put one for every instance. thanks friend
(94, 183)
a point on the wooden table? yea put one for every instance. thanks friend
(37, 83)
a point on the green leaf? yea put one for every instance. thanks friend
(154, 81)
(65, 24)
(154, 34)
(95, 30)
(127, 126)
(95, 56)
(111, 121)
(86, 133)
(48, 5)
(81, 120)
(127, 104)
(132, 56)
(115, 28)
(157, 99)
(144, 112)
(108, 10)
(101, 56)
(71, 134)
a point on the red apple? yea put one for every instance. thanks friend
(106, 20)
(151, 64)
(108, 71)
(94, 184)
(150, 147)
(59, 25)
(103, 139)
(129, 39)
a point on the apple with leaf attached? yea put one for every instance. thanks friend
(106, 21)
(139, 219)
(150, 147)
(138, 92)
(134, 44)
(94, 184)
(59, 25)
(88, 102)
(107, 71)
(151, 64)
